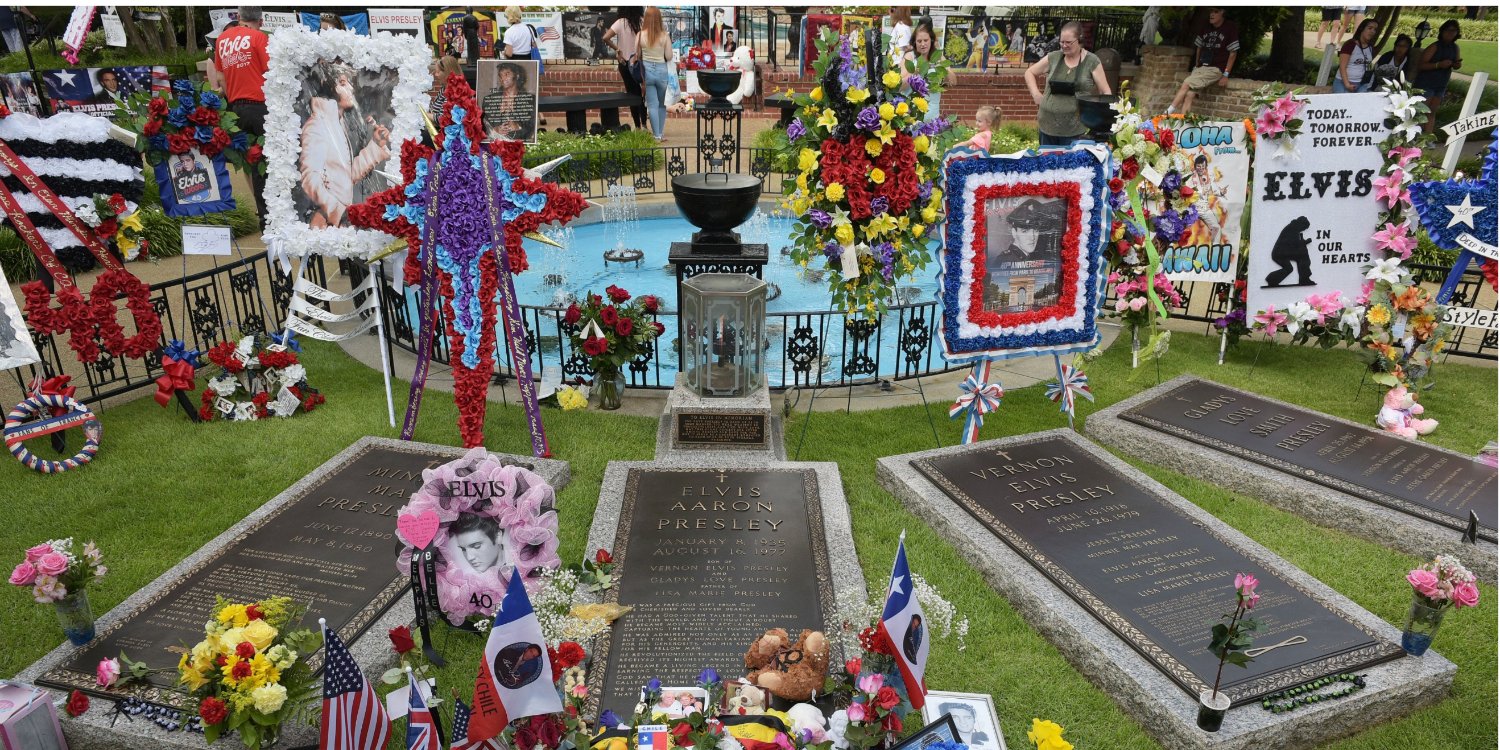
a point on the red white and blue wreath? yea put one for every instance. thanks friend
(1063, 191)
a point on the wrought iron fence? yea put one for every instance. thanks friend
(650, 170)
(249, 295)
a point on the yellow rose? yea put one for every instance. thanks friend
(269, 698)
(918, 229)
(920, 143)
(856, 95)
(807, 159)
(835, 191)
(873, 147)
(260, 634)
(887, 111)
(920, 104)
(800, 206)
(891, 79)
(929, 215)
(877, 176)
(844, 234)
(902, 108)
(817, 93)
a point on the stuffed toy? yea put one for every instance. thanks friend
(1400, 414)
(805, 717)
(743, 61)
(747, 700)
(789, 670)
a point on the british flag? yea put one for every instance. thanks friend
(421, 728)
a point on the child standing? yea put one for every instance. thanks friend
(984, 119)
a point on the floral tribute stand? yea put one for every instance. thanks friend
(463, 210)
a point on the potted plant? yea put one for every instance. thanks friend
(1229, 644)
(612, 333)
(1435, 587)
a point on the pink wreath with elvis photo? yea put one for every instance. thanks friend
(490, 518)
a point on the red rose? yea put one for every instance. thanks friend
(241, 670)
(660, 329)
(891, 723)
(246, 650)
(608, 315)
(77, 704)
(117, 202)
(107, 228)
(204, 116)
(253, 612)
(852, 666)
(595, 346)
(573, 314)
(1116, 184)
(650, 303)
(157, 107)
(1148, 134)
(1123, 246)
(401, 639)
(152, 127)
(1187, 192)
(212, 711)
(253, 155)
(624, 326)
(180, 143)
(603, 557)
(1167, 139)
(886, 698)
(1130, 168)
(616, 294)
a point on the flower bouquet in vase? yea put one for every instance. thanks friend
(249, 671)
(59, 575)
(613, 333)
(1436, 586)
(1229, 643)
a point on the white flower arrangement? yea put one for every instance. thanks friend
(294, 50)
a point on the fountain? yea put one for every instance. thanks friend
(622, 213)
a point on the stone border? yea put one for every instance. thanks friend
(93, 730)
(1166, 712)
(775, 450)
(1318, 503)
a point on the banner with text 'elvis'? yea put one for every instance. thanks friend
(1314, 211)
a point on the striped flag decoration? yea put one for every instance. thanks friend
(354, 717)
(461, 731)
(421, 727)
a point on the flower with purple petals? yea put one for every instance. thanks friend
(819, 218)
(833, 251)
(795, 129)
(917, 84)
(879, 205)
(868, 119)
(1171, 183)
(885, 254)
(924, 191)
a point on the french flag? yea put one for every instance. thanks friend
(905, 627)
(515, 678)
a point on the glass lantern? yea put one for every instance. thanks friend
(723, 327)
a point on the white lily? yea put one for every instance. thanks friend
(1352, 318)
(1298, 313)
(1386, 269)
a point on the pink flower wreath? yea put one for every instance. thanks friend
(521, 503)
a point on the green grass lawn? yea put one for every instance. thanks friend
(163, 487)
(1479, 55)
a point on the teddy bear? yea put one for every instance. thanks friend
(1400, 414)
(793, 671)
(746, 700)
(743, 61)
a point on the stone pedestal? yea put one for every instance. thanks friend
(750, 259)
(692, 425)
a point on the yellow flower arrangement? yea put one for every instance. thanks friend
(887, 111)
(920, 103)
(570, 399)
(874, 147)
(891, 79)
(856, 95)
(877, 176)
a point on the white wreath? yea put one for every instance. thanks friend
(293, 50)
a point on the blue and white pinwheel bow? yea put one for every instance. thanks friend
(1070, 384)
(977, 398)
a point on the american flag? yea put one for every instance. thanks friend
(461, 731)
(548, 34)
(354, 717)
(421, 728)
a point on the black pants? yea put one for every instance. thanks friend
(633, 87)
(252, 120)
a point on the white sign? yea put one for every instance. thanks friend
(1314, 212)
(1214, 161)
(274, 21)
(1460, 130)
(1477, 246)
(222, 16)
(114, 31)
(198, 239)
(548, 33)
(1469, 317)
(78, 26)
(406, 21)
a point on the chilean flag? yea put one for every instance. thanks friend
(905, 628)
(515, 678)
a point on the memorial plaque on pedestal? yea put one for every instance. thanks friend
(332, 547)
(1368, 463)
(709, 559)
(1144, 568)
(721, 429)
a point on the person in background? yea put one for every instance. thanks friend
(1218, 44)
(1331, 19)
(924, 47)
(10, 28)
(984, 120)
(1436, 66)
(1392, 65)
(470, 28)
(1357, 60)
(240, 55)
(655, 47)
(900, 32)
(327, 21)
(519, 37)
(1354, 15)
(1070, 71)
(441, 69)
(621, 37)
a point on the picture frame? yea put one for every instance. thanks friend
(983, 722)
(1022, 257)
(507, 95)
(676, 697)
(941, 729)
(338, 108)
(191, 184)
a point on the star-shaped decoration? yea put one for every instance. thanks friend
(896, 585)
(64, 77)
(1464, 212)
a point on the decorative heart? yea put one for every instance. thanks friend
(418, 529)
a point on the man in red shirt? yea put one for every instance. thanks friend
(240, 54)
(1217, 44)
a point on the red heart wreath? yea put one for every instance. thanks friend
(97, 317)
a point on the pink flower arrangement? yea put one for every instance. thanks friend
(52, 570)
(1391, 189)
(1280, 113)
(1230, 641)
(1444, 582)
(1396, 239)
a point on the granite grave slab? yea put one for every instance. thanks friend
(1125, 577)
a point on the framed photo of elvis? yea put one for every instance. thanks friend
(338, 107)
(940, 730)
(192, 184)
(507, 93)
(1022, 253)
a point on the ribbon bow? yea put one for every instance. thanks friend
(56, 385)
(1071, 383)
(290, 341)
(179, 351)
(177, 376)
(977, 397)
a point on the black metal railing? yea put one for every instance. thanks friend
(650, 170)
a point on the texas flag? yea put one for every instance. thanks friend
(905, 628)
(515, 678)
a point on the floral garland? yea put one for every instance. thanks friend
(256, 382)
(200, 120)
(865, 194)
(1278, 117)
(94, 321)
(111, 219)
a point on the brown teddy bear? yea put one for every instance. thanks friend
(790, 670)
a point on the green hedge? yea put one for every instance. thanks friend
(1410, 17)
(632, 151)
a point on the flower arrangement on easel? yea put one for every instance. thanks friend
(193, 118)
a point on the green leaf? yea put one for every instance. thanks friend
(211, 732)
(1237, 658)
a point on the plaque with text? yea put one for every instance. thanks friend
(719, 428)
(1147, 570)
(1372, 464)
(331, 547)
(709, 560)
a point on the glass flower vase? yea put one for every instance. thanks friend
(1422, 622)
(611, 387)
(75, 616)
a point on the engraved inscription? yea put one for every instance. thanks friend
(721, 428)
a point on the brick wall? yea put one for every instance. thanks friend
(1163, 70)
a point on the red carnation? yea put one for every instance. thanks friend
(887, 698)
(157, 107)
(152, 127)
(254, 154)
(221, 660)
(401, 639)
(240, 670)
(107, 228)
(180, 143)
(573, 314)
(251, 611)
(78, 703)
(1167, 139)
(555, 662)
(212, 711)
(595, 346)
(246, 650)
(608, 315)
(117, 202)
(651, 303)
(616, 294)
(571, 654)
(204, 116)
(624, 326)
(603, 557)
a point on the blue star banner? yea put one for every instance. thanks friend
(1461, 214)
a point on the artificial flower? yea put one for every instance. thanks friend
(1396, 239)
(1387, 270)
